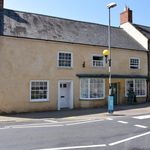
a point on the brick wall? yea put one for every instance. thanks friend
(126, 16)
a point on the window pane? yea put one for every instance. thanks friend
(136, 85)
(39, 90)
(98, 61)
(96, 88)
(130, 86)
(64, 60)
(84, 88)
(140, 87)
(134, 63)
(92, 88)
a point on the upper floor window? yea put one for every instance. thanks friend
(64, 59)
(134, 63)
(39, 90)
(97, 61)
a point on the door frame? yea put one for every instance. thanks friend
(71, 93)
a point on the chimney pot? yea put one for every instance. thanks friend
(126, 16)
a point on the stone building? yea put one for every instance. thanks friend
(50, 63)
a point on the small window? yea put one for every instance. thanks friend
(64, 59)
(134, 63)
(39, 90)
(64, 85)
(98, 61)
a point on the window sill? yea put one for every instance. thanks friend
(134, 68)
(38, 100)
(93, 99)
(69, 68)
(98, 66)
(139, 96)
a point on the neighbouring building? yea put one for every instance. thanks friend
(140, 33)
(50, 63)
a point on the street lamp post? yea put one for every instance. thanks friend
(107, 53)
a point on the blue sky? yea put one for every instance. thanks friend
(84, 10)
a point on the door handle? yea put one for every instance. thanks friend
(62, 97)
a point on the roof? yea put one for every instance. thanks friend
(145, 30)
(113, 76)
(36, 26)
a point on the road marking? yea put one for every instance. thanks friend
(78, 120)
(47, 125)
(85, 122)
(51, 121)
(4, 128)
(30, 126)
(129, 139)
(76, 147)
(123, 122)
(37, 126)
(109, 118)
(140, 126)
(142, 117)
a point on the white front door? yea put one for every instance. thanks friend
(65, 97)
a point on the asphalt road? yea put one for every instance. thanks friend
(111, 133)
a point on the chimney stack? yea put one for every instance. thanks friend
(126, 16)
(1, 4)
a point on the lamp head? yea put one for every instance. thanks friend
(111, 5)
(106, 52)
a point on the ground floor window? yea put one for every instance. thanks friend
(39, 90)
(138, 86)
(92, 88)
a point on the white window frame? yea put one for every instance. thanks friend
(138, 67)
(93, 61)
(82, 98)
(134, 80)
(39, 100)
(65, 52)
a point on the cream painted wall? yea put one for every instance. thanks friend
(134, 33)
(22, 60)
(121, 58)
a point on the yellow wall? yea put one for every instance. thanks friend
(22, 60)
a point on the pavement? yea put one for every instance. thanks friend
(79, 114)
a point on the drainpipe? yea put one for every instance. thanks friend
(148, 80)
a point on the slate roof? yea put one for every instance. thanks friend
(29, 25)
(145, 30)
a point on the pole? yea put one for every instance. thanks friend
(109, 48)
(110, 97)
